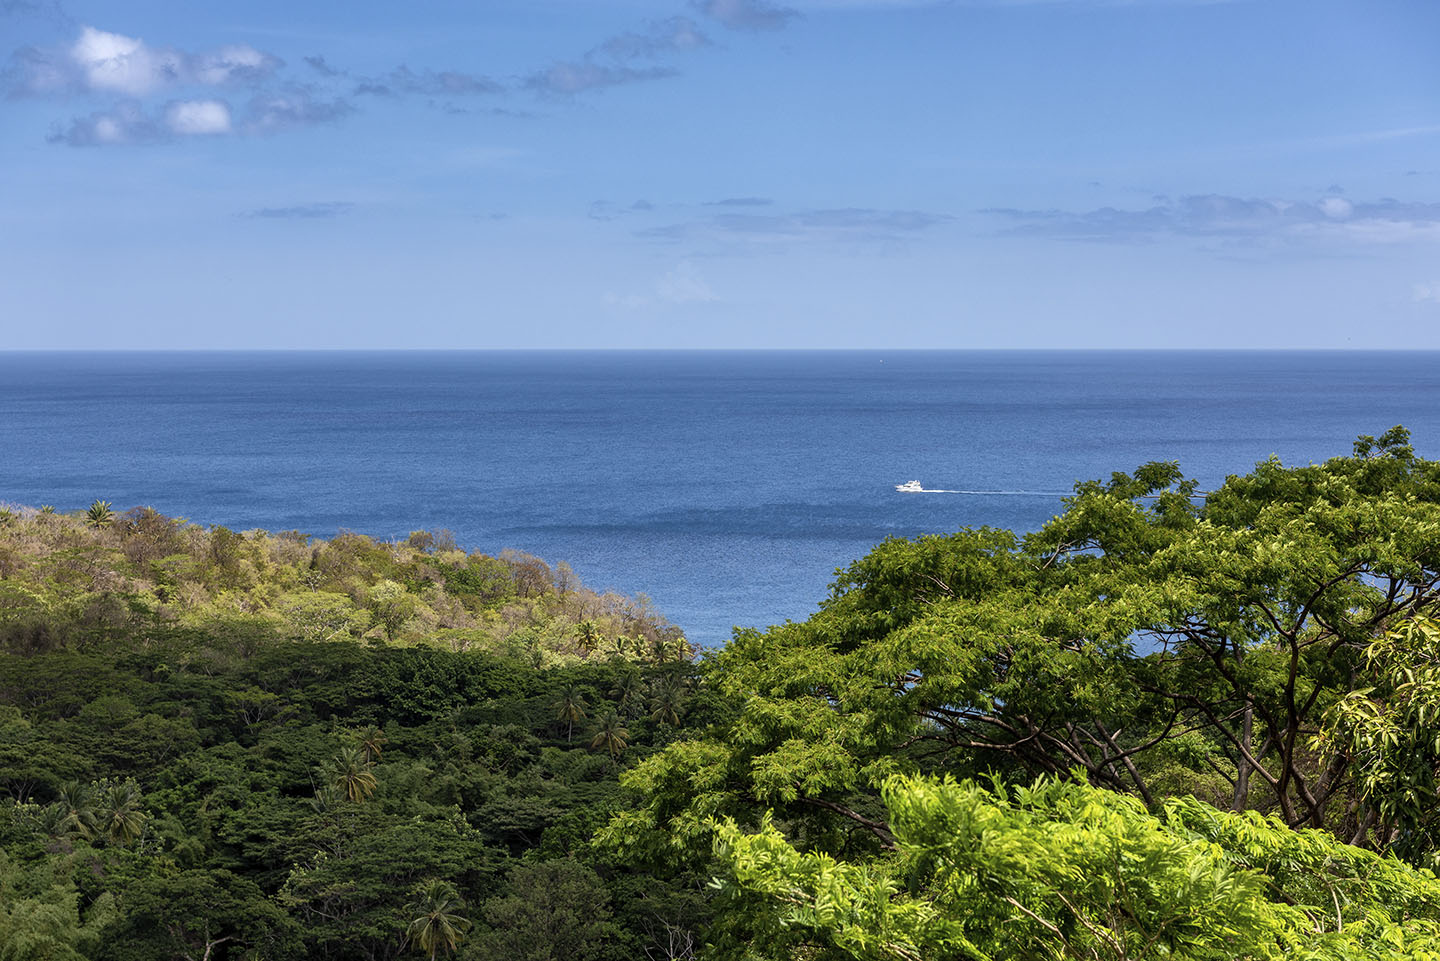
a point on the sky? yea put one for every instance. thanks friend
(720, 174)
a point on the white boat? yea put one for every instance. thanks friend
(910, 487)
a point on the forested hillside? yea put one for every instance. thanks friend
(227, 745)
(1170, 724)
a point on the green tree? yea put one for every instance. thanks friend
(628, 693)
(552, 911)
(1144, 629)
(41, 917)
(437, 928)
(198, 915)
(1389, 733)
(99, 514)
(668, 700)
(612, 735)
(570, 708)
(391, 606)
(1063, 870)
(119, 815)
(351, 773)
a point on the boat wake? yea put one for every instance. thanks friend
(913, 487)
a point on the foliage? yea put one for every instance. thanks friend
(1159, 640)
(1390, 734)
(1143, 731)
(1061, 869)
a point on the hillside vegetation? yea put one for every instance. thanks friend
(1168, 725)
(69, 576)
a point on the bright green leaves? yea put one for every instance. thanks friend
(1390, 732)
(1064, 870)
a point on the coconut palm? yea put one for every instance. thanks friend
(352, 775)
(76, 808)
(119, 816)
(372, 742)
(589, 636)
(99, 514)
(436, 928)
(570, 708)
(667, 700)
(629, 693)
(611, 735)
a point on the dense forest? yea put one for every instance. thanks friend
(1169, 724)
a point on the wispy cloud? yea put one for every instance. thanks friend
(853, 224)
(663, 37)
(679, 286)
(751, 15)
(296, 105)
(309, 211)
(1217, 216)
(605, 210)
(610, 63)
(740, 202)
(130, 123)
(402, 80)
(577, 76)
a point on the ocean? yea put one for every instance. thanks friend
(726, 486)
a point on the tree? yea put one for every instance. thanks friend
(119, 815)
(552, 911)
(668, 700)
(391, 606)
(198, 916)
(372, 743)
(570, 708)
(99, 514)
(40, 913)
(1063, 870)
(1159, 641)
(611, 735)
(351, 774)
(629, 693)
(437, 928)
(1389, 733)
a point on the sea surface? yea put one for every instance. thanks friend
(726, 486)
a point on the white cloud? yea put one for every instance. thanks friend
(198, 117)
(103, 62)
(115, 62)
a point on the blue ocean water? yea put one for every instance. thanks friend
(728, 486)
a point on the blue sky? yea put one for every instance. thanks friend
(720, 173)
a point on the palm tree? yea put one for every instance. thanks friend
(352, 775)
(436, 928)
(629, 693)
(589, 636)
(570, 708)
(76, 807)
(668, 699)
(372, 742)
(611, 735)
(120, 817)
(99, 514)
